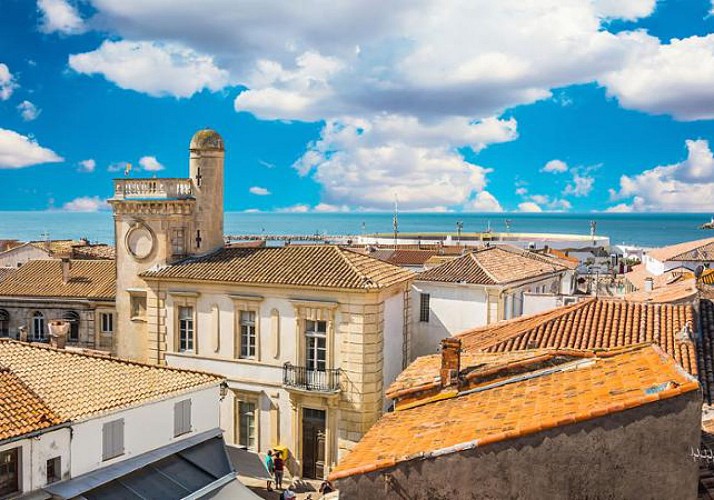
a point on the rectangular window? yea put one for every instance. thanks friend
(316, 344)
(246, 424)
(9, 471)
(247, 334)
(185, 328)
(138, 306)
(113, 439)
(107, 322)
(54, 470)
(182, 417)
(178, 241)
(424, 307)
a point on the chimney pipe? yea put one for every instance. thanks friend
(450, 361)
(649, 284)
(66, 268)
(58, 333)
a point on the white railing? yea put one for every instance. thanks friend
(128, 189)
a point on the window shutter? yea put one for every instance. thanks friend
(178, 418)
(118, 437)
(187, 416)
(106, 441)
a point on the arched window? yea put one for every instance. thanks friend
(38, 326)
(4, 323)
(73, 319)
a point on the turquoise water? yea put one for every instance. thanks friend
(639, 229)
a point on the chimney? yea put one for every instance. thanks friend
(450, 361)
(649, 284)
(58, 333)
(22, 334)
(66, 268)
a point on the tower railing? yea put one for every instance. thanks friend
(152, 189)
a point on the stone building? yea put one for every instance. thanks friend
(79, 291)
(307, 336)
(17, 255)
(549, 423)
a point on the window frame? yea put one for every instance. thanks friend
(56, 467)
(4, 323)
(178, 241)
(74, 320)
(313, 338)
(38, 318)
(135, 306)
(424, 307)
(17, 452)
(102, 325)
(116, 429)
(251, 333)
(187, 326)
(254, 418)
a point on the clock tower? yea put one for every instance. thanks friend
(156, 222)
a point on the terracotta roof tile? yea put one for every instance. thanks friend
(323, 266)
(402, 257)
(98, 252)
(594, 324)
(577, 391)
(705, 351)
(493, 266)
(21, 410)
(683, 251)
(76, 385)
(94, 279)
(677, 292)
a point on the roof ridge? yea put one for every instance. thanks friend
(480, 264)
(343, 254)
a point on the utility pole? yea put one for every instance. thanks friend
(459, 228)
(395, 219)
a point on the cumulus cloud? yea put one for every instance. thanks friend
(59, 16)
(158, 69)
(28, 111)
(541, 200)
(86, 204)
(259, 191)
(529, 206)
(625, 9)
(299, 208)
(18, 151)
(581, 185)
(484, 202)
(150, 164)
(7, 83)
(555, 167)
(87, 166)
(681, 187)
(326, 207)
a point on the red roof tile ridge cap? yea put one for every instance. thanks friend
(347, 258)
(480, 264)
(45, 347)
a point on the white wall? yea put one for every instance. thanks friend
(146, 428)
(20, 255)
(34, 455)
(393, 339)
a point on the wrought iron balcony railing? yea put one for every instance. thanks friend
(299, 377)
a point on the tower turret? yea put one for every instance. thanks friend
(206, 159)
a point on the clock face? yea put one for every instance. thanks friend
(140, 241)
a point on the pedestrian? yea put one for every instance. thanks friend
(278, 466)
(269, 465)
(326, 487)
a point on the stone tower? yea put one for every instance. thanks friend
(156, 222)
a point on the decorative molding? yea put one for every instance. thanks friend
(246, 298)
(184, 293)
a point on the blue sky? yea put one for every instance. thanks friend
(555, 105)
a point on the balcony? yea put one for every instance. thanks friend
(152, 189)
(302, 379)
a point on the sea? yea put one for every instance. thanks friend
(640, 229)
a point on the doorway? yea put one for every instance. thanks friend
(313, 443)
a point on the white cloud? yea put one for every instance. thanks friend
(150, 164)
(521, 191)
(555, 167)
(326, 207)
(681, 187)
(7, 83)
(87, 165)
(619, 208)
(625, 9)
(86, 204)
(28, 111)
(581, 185)
(299, 208)
(364, 163)
(158, 69)
(60, 16)
(529, 206)
(259, 191)
(484, 202)
(18, 151)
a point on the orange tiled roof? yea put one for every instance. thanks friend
(99, 252)
(323, 266)
(639, 273)
(76, 385)
(707, 277)
(682, 250)
(677, 292)
(577, 391)
(6, 272)
(494, 265)
(594, 324)
(93, 279)
(21, 410)
(705, 349)
(403, 257)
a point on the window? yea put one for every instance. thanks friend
(4, 323)
(54, 470)
(178, 241)
(247, 334)
(424, 307)
(316, 343)
(107, 323)
(182, 417)
(73, 319)
(113, 439)
(185, 320)
(246, 424)
(38, 326)
(138, 306)
(9, 471)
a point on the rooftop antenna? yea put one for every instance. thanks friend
(45, 235)
(593, 227)
(459, 228)
(364, 227)
(395, 219)
(508, 225)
